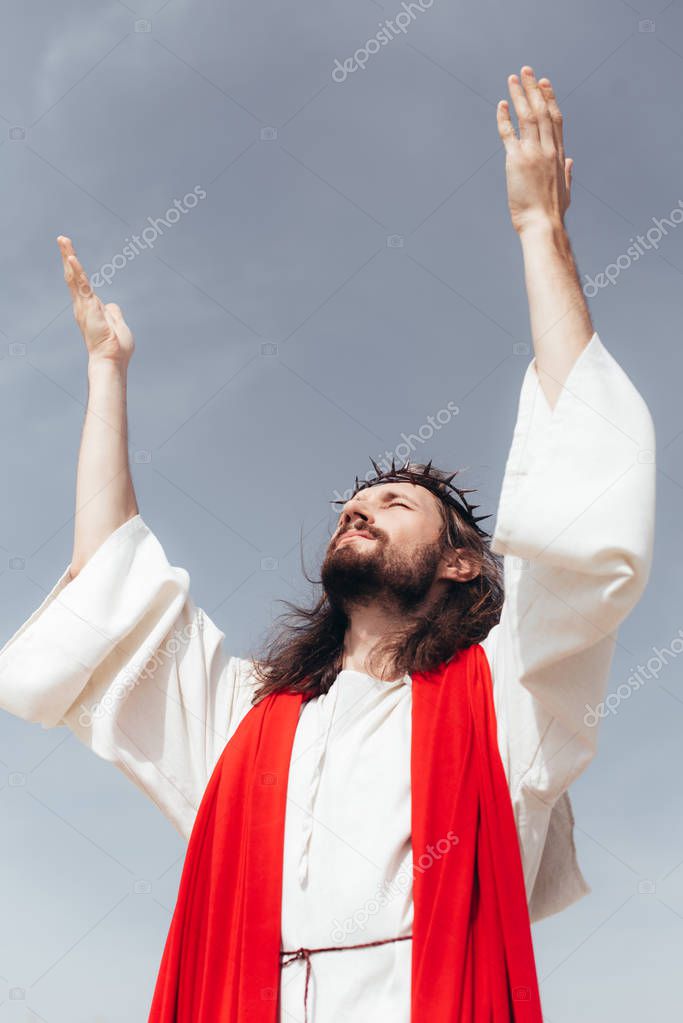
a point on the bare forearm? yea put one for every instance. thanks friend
(539, 177)
(561, 325)
(105, 498)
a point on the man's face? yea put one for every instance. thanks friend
(386, 545)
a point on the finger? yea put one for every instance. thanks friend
(82, 284)
(555, 115)
(65, 244)
(74, 274)
(568, 171)
(539, 106)
(66, 249)
(114, 310)
(528, 124)
(505, 127)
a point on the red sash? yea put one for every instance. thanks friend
(472, 953)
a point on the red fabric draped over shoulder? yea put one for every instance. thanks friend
(472, 957)
(472, 953)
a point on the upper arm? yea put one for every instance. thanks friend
(575, 525)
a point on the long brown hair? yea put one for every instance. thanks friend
(305, 651)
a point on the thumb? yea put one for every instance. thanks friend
(114, 310)
(112, 320)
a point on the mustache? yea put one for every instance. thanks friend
(373, 533)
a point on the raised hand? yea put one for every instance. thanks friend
(537, 171)
(105, 332)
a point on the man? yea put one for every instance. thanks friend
(378, 806)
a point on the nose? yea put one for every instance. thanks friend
(354, 511)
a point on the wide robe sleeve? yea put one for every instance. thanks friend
(575, 524)
(123, 657)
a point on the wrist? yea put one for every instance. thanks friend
(106, 370)
(544, 228)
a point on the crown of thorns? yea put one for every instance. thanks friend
(440, 484)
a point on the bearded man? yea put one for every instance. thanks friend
(377, 806)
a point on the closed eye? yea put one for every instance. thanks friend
(401, 504)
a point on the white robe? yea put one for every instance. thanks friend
(124, 658)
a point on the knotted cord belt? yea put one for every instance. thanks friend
(306, 953)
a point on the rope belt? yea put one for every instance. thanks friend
(306, 953)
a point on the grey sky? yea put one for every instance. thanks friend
(350, 271)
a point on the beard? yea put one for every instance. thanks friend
(402, 579)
